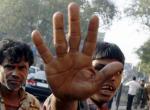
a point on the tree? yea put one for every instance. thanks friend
(140, 9)
(144, 54)
(19, 17)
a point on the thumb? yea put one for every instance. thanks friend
(108, 71)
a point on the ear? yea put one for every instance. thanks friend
(1, 74)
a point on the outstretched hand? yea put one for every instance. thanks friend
(70, 73)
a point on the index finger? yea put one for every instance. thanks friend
(41, 47)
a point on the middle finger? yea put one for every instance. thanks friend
(60, 42)
(74, 27)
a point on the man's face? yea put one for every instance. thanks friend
(109, 87)
(14, 74)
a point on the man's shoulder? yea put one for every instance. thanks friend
(31, 97)
(134, 82)
(30, 101)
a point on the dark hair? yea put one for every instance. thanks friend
(134, 78)
(106, 50)
(15, 51)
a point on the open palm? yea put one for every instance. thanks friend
(70, 73)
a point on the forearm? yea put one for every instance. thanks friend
(57, 104)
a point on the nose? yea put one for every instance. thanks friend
(15, 72)
(113, 78)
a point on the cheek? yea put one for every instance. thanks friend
(24, 75)
(7, 74)
(118, 80)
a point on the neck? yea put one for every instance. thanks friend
(9, 93)
(13, 93)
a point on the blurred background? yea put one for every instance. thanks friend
(124, 22)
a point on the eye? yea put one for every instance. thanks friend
(9, 67)
(119, 72)
(23, 67)
(98, 67)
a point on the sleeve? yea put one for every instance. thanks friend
(128, 83)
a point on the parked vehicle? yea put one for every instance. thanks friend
(32, 71)
(38, 86)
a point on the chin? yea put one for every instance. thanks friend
(105, 99)
(101, 99)
(13, 88)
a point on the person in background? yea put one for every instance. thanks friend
(147, 89)
(141, 97)
(104, 54)
(15, 59)
(72, 74)
(133, 87)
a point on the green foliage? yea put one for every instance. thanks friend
(140, 9)
(144, 54)
(105, 9)
(20, 17)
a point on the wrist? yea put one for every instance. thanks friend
(58, 104)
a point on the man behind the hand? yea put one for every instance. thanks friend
(104, 54)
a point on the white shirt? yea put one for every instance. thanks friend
(133, 87)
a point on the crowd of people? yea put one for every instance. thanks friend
(80, 80)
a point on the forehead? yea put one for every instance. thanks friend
(102, 61)
(22, 62)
